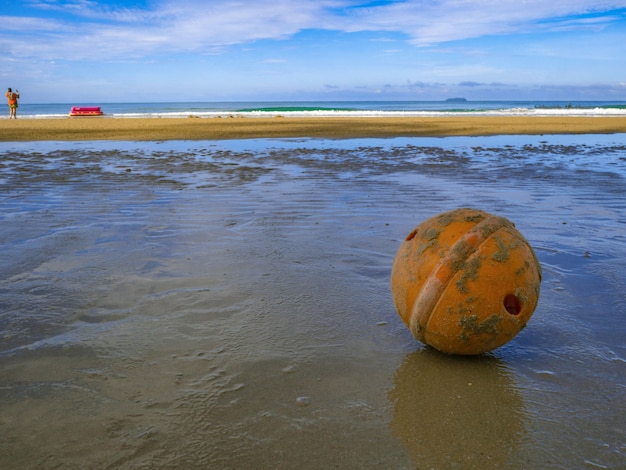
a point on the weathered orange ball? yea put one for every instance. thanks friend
(465, 281)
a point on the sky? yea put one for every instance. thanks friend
(91, 51)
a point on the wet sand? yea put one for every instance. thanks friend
(226, 304)
(106, 128)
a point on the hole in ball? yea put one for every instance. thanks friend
(411, 235)
(512, 304)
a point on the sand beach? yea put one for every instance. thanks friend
(194, 128)
(223, 301)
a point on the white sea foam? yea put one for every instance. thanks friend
(334, 109)
(493, 112)
(380, 113)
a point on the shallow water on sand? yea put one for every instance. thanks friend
(227, 305)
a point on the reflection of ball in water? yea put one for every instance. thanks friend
(465, 281)
(457, 412)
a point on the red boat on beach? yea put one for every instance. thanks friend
(86, 111)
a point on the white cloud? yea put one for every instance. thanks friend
(172, 26)
(26, 24)
(428, 22)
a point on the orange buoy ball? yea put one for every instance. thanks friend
(465, 281)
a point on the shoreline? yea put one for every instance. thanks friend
(194, 128)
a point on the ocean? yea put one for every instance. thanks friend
(335, 108)
(227, 304)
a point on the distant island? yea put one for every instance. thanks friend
(456, 100)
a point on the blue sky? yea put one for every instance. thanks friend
(229, 50)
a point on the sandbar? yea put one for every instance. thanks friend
(195, 128)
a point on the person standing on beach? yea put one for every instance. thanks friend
(12, 97)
